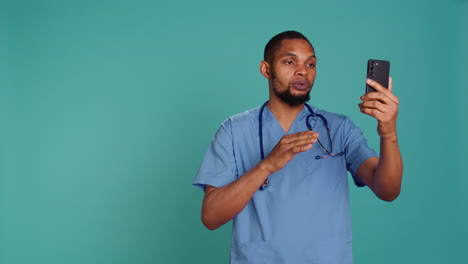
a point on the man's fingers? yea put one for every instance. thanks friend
(299, 136)
(303, 148)
(289, 146)
(302, 142)
(386, 98)
(390, 84)
(374, 105)
(379, 110)
(300, 145)
(382, 90)
(376, 96)
(377, 86)
(372, 112)
(297, 142)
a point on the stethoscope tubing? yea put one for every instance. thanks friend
(309, 126)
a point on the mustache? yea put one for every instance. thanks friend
(300, 82)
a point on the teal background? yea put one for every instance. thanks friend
(107, 108)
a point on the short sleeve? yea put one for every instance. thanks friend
(357, 150)
(218, 167)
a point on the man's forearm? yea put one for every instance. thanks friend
(220, 205)
(223, 204)
(387, 180)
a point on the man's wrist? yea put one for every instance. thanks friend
(264, 167)
(389, 138)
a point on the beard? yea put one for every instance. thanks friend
(286, 95)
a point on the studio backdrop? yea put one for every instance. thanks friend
(107, 108)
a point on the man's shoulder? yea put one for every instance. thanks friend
(244, 117)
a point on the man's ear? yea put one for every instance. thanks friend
(265, 69)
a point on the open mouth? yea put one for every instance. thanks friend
(301, 85)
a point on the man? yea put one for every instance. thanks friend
(280, 170)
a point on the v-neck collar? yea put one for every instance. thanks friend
(271, 120)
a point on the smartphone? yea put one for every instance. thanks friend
(379, 71)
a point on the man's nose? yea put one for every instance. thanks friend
(301, 70)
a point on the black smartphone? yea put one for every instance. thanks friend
(379, 71)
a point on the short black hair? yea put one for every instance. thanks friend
(275, 43)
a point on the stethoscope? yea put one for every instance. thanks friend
(309, 126)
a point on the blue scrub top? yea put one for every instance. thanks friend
(303, 216)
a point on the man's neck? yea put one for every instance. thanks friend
(284, 113)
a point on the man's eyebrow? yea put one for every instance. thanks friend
(295, 55)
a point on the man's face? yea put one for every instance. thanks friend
(292, 71)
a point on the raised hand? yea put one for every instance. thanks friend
(287, 148)
(383, 105)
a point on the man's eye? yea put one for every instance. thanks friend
(312, 65)
(288, 62)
